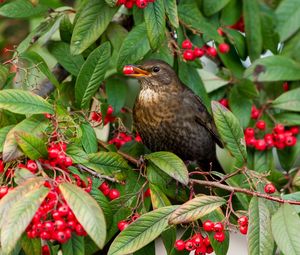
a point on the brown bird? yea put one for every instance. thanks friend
(170, 117)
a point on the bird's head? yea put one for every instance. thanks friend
(152, 74)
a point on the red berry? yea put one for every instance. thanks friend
(59, 224)
(113, 194)
(218, 227)
(48, 115)
(209, 250)
(254, 112)
(188, 55)
(128, 4)
(61, 237)
(53, 152)
(279, 129)
(244, 229)
(1, 166)
(189, 245)
(211, 51)
(249, 132)
(71, 224)
(250, 141)
(261, 125)
(269, 140)
(45, 235)
(141, 3)
(122, 225)
(201, 250)
(128, 70)
(208, 226)
(68, 161)
(197, 240)
(179, 245)
(294, 130)
(198, 53)
(260, 145)
(104, 186)
(45, 250)
(186, 44)
(220, 31)
(219, 236)
(3, 191)
(80, 230)
(243, 221)
(48, 226)
(147, 193)
(206, 241)
(63, 210)
(224, 102)
(31, 166)
(224, 48)
(290, 141)
(270, 188)
(285, 86)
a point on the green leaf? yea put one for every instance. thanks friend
(106, 162)
(171, 11)
(191, 16)
(77, 154)
(190, 77)
(288, 101)
(155, 22)
(285, 228)
(211, 7)
(231, 13)
(288, 156)
(33, 147)
(111, 3)
(238, 40)
(23, 102)
(195, 208)
(89, 139)
(3, 133)
(61, 51)
(75, 246)
(273, 68)
(4, 72)
(135, 46)
(288, 118)
(87, 212)
(31, 246)
(13, 196)
(19, 216)
(116, 92)
(230, 131)
(66, 29)
(260, 239)
(36, 60)
(92, 21)
(288, 18)
(142, 231)
(92, 74)
(35, 125)
(211, 81)
(158, 198)
(170, 164)
(21, 9)
(253, 28)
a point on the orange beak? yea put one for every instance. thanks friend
(135, 72)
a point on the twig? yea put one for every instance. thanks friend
(245, 191)
(230, 175)
(124, 155)
(95, 174)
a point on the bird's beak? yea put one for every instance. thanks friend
(135, 72)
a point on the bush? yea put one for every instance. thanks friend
(72, 175)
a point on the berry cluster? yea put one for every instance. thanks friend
(198, 243)
(80, 183)
(216, 227)
(97, 116)
(107, 191)
(121, 138)
(54, 220)
(243, 224)
(130, 3)
(122, 224)
(279, 138)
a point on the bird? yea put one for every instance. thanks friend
(170, 117)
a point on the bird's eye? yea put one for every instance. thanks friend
(155, 69)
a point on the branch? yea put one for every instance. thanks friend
(245, 191)
(95, 174)
(123, 154)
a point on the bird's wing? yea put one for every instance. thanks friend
(202, 116)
